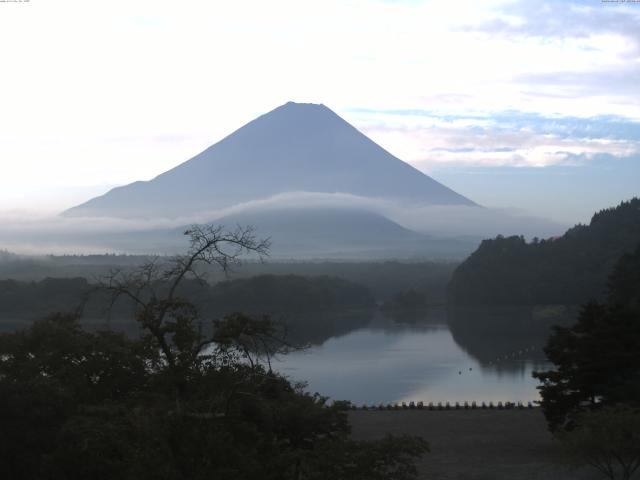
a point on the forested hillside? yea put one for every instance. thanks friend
(261, 294)
(311, 308)
(383, 279)
(571, 269)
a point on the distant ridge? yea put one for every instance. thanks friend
(296, 147)
(306, 233)
(345, 233)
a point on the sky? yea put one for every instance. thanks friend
(528, 105)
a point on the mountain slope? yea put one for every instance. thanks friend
(571, 269)
(344, 233)
(296, 147)
(305, 233)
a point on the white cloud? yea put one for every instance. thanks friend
(29, 233)
(428, 141)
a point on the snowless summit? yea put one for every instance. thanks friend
(298, 147)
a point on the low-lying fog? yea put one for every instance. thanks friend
(37, 232)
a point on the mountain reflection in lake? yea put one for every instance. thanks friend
(440, 357)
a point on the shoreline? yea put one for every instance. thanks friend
(443, 406)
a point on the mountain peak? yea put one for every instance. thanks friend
(297, 147)
(292, 104)
(300, 116)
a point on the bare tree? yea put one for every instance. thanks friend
(153, 288)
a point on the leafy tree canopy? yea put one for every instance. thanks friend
(571, 269)
(607, 439)
(179, 402)
(597, 360)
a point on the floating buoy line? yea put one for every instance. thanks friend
(439, 406)
(511, 355)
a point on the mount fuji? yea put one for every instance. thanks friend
(298, 147)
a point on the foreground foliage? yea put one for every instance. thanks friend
(182, 401)
(607, 440)
(597, 360)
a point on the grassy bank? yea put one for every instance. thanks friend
(474, 444)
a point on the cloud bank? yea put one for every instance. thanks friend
(47, 234)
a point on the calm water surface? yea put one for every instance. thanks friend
(486, 355)
(388, 361)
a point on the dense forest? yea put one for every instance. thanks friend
(570, 269)
(597, 359)
(312, 308)
(410, 299)
(384, 279)
(276, 293)
(262, 294)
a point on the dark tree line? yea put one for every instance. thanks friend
(260, 294)
(597, 360)
(268, 293)
(312, 308)
(411, 299)
(571, 269)
(382, 278)
(591, 398)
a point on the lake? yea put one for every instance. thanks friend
(440, 355)
(426, 360)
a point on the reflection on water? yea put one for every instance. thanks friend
(503, 338)
(439, 355)
(482, 355)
